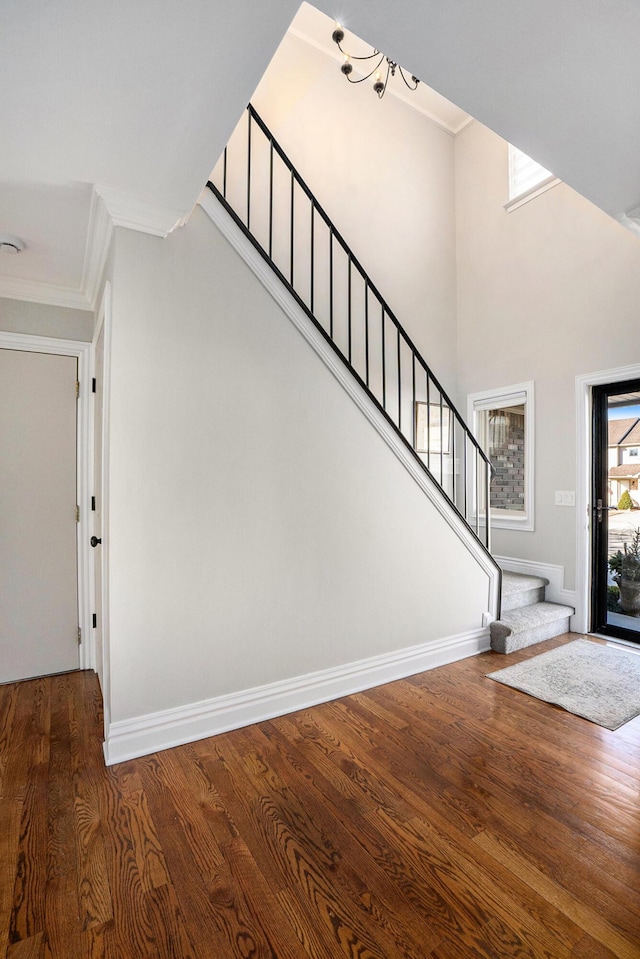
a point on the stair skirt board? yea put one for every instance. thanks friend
(142, 735)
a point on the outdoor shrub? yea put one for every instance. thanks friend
(613, 595)
(625, 501)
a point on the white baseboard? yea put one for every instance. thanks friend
(555, 591)
(142, 735)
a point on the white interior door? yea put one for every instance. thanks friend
(38, 553)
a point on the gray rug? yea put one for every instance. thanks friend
(600, 683)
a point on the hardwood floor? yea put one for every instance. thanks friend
(444, 816)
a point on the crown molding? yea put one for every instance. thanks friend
(134, 214)
(33, 291)
(97, 248)
(109, 208)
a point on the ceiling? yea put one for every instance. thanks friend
(124, 107)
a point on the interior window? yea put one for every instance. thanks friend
(502, 422)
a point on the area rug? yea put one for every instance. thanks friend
(600, 683)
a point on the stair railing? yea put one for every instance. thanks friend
(260, 188)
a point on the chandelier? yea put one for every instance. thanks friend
(383, 67)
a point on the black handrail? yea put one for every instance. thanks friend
(452, 457)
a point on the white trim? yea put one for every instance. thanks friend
(630, 220)
(97, 248)
(135, 214)
(43, 344)
(584, 468)
(227, 226)
(104, 668)
(130, 738)
(555, 591)
(33, 291)
(502, 395)
(531, 194)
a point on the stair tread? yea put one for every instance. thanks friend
(521, 582)
(528, 617)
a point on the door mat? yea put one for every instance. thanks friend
(600, 683)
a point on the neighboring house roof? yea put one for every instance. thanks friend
(627, 470)
(633, 436)
(618, 430)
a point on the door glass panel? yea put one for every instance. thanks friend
(617, 521)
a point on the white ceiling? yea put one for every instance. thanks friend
(137, 98)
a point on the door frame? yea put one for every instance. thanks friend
(29, 343)
(103, 323)
(584, 484)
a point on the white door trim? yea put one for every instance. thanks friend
(103, 668)
(44, 344)
(584, 468)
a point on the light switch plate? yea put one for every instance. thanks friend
(565, 498)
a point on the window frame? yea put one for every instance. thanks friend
(518, 197)
(514, 395)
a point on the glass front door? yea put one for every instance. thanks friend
(616, 520)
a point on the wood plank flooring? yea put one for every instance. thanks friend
(443, 816)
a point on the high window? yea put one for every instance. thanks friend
(526, 178)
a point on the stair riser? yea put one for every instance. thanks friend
(529, 637)
(526, 597)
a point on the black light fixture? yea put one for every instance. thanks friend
(378, 69)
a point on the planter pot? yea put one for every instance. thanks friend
(630, 597)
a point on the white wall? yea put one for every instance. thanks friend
(384, 174)
(38, 319)
(259, 529)
(546, 292)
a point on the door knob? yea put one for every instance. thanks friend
(95, 540)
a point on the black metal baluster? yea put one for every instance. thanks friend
(312, 263)
(441, 446)
(413, 399)
(399, 380)
(349, 307)
(384, 376)
(249, 171)
(477, 496)
(271, 200)
(452, 433)
(487, 504)
(292, 215)
(465, 478)
(331, 283)
(428, 421)
(366, 331)
(224, 174)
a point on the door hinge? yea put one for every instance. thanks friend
(93, 385)
(79, 636)
(93, 504)
(94, 620)
(77, 388)
(77, 514)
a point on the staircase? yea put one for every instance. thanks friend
(258, 186)
(526, 617)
